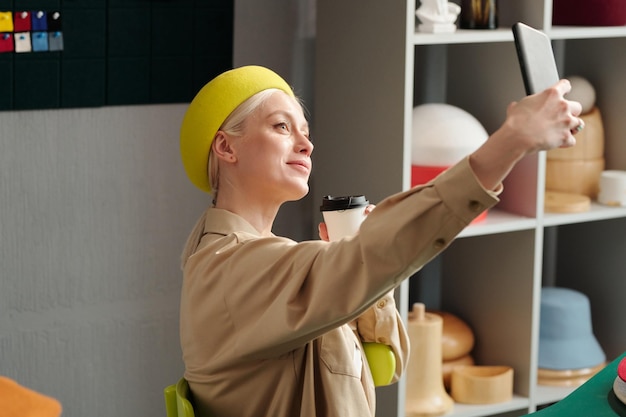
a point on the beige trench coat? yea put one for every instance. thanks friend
(271, 327)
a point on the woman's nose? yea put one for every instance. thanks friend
(304, 144)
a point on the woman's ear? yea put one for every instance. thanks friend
(222, 147)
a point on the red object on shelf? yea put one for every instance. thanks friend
(589, 12)
(421, 174)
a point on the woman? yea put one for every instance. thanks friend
(273, 327)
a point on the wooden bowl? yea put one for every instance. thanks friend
(448, 367)
(482, 384)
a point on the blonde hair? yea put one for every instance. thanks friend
(234, 125)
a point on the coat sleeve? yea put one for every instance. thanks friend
(382, 323)
(272, 294)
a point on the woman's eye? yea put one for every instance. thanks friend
(282, 126)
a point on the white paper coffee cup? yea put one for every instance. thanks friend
(343, 215)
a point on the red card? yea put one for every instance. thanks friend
(21, 21)
(6, 42)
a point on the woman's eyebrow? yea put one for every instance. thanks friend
(289, 115)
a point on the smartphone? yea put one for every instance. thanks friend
(536, 58)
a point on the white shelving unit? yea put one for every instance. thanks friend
(372, 68)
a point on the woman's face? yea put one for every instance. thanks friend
(274, 153)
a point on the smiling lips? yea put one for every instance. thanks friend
(302, 164)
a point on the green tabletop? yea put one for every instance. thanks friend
(595, 398)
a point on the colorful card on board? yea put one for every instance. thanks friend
(55, 41)
(54, 21)
(40, 41)
(39, 21)
(22, 42)
(6, 22)
(6, 42)
(22, 21)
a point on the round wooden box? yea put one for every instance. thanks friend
(574, 176)
(557, 202)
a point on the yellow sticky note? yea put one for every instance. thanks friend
(6, 22)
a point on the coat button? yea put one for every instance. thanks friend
(475, 206)
(439, 243)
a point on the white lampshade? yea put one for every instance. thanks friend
(444, 134)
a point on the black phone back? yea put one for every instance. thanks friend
(536, 58)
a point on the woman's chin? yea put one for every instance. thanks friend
(300, 194)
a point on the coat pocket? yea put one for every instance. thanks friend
(341, 352)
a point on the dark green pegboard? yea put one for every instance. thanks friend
(36, 81)
(119, 52)
(128, 80)
(84, 4)
(84, 33)
(83, 82)
(6, 81)
(37, 4)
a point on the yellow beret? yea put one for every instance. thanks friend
(211, 106)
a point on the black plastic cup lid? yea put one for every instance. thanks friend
(330, 203)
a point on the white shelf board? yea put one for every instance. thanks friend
(463, 36)
(545, 395)
(581, 32)
(596, 212)
(470, 410)
(499, 221)
(506, 35)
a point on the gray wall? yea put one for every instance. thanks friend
(94, 210)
